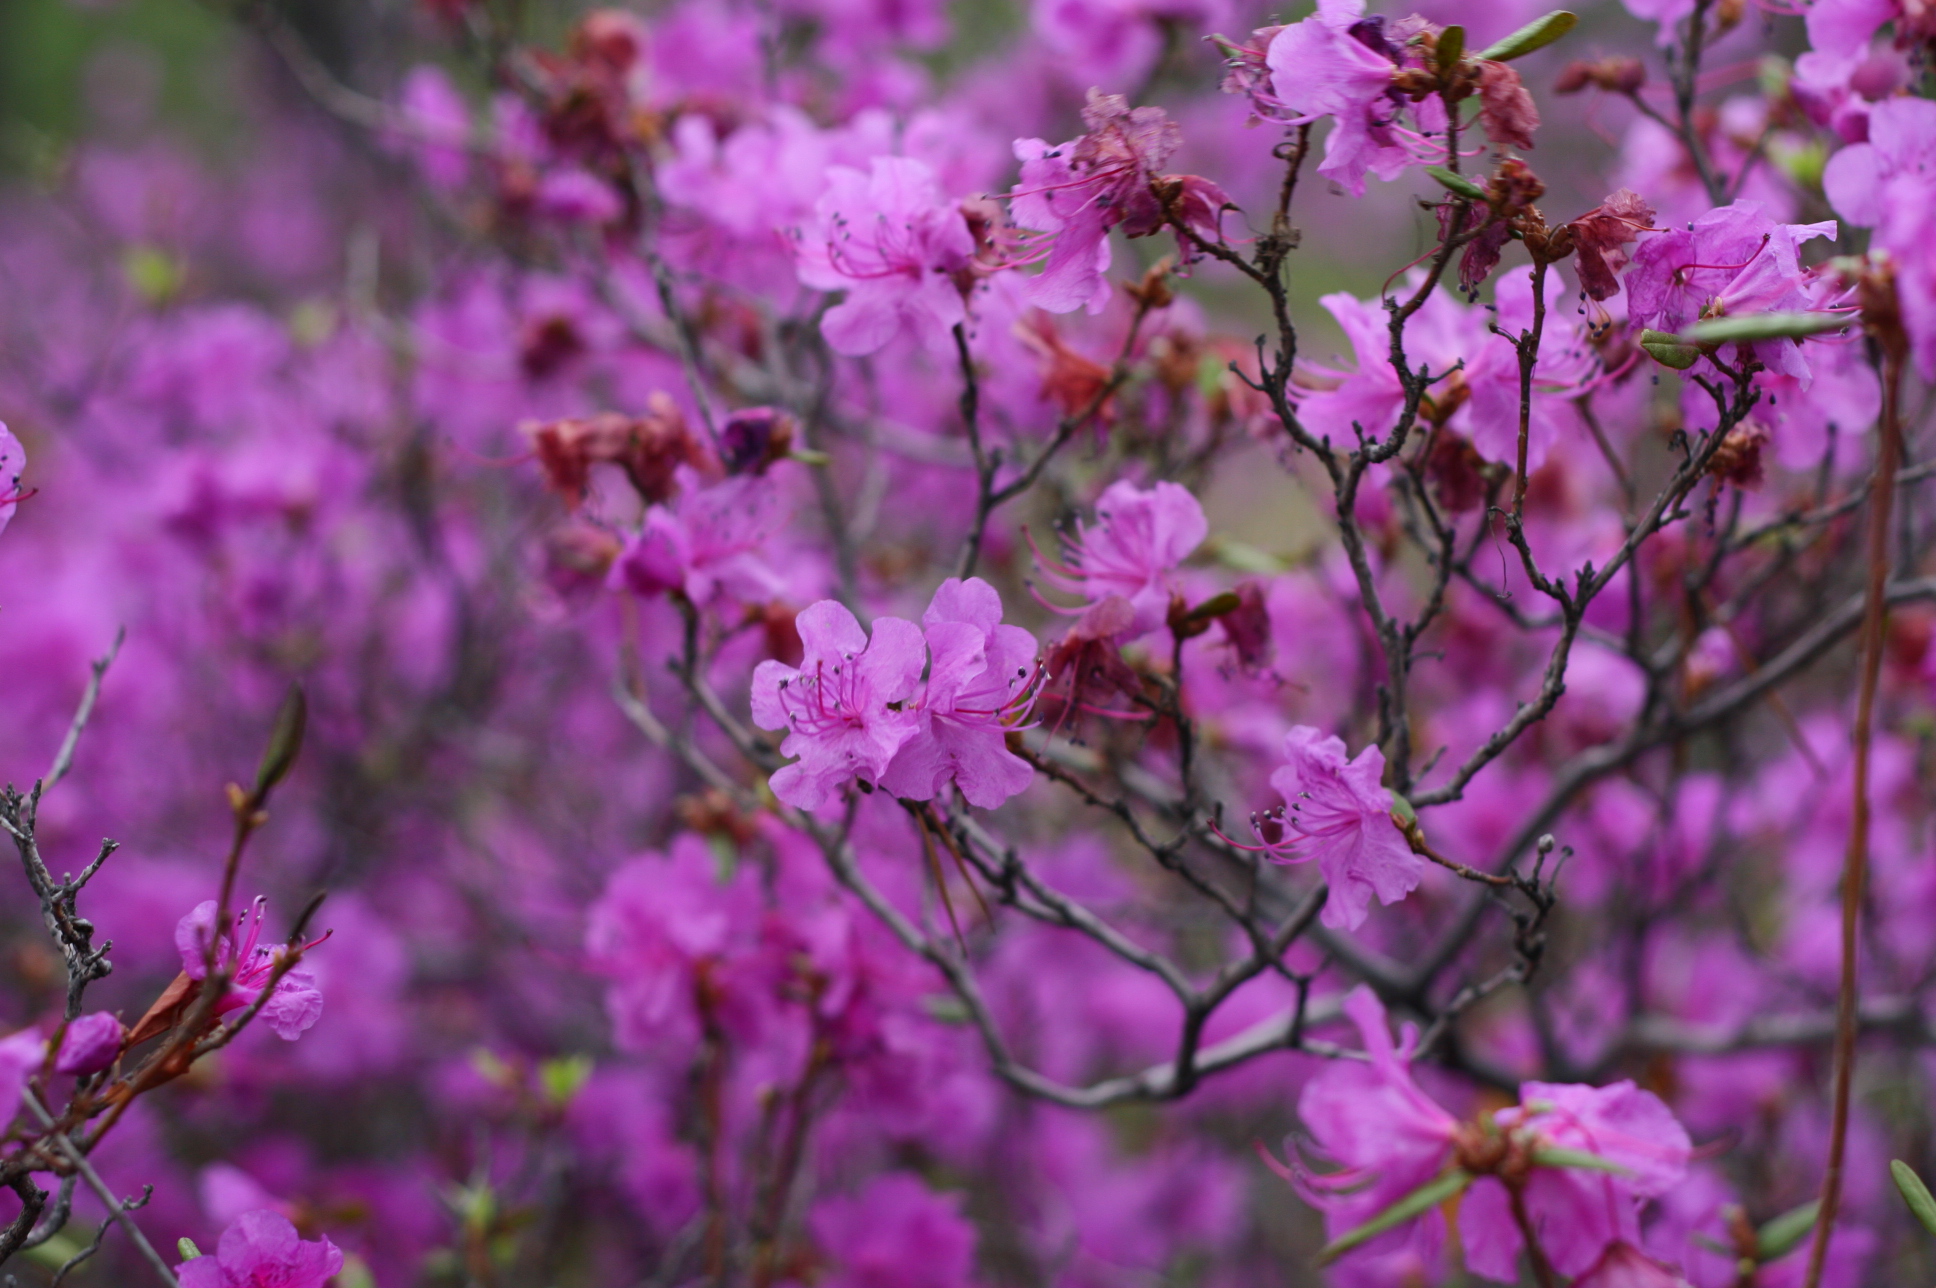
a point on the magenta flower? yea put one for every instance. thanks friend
(981, 682)
(1078, 191)
(1844, 28)
(1888, 183)
(91, 1044)
(845, 707)
(435, 127)
(13, 461)
(1339, 63)
(1731, 261)
(1339, 815)
(1373, 1120)
(576, 196)
(262, 1250)
(709, 542)
(1140, 538)
(297, 1002)
(20, 1058)
(895, 1234)
(664, 922)
(1391, 1138)
(1624, 1266)
(1577, 1213)
(1447, 335)
(899, 251)
(1897, 161)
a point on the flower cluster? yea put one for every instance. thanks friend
(731, 564)
(858, 709)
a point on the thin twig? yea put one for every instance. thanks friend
(64, 758)
(101, 1190)
(1855, 864)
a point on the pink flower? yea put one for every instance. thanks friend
(845, 707)
(13, 460)
(1339, 63)
(663, 922)
(1889, 183)
(262, 1250)
(1341, 816)
(1731, 261)
(1483, 386)
(1388, 1135)
(91, 1044)
(1844, 28)
(576, 195)
(1391, 1138)
(897, 249)
(1577, 1212)
(1624, 1266)
(1140, 538)
(980, 684)
(297, 1002)
(896, 1234)
(20, 1059)
(435, 126)
(710, 542)
(1080, 190)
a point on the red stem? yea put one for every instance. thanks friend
(1855, 866)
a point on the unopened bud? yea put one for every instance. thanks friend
(285, 740)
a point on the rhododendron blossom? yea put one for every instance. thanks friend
(742, 563)
(90, 1045)
(1140, 537)
(263, 1250)
(1732, 261)
(1078, 191)
(895, 247)
(1341, 63)
(981, 677)
(846, 708)
(20, 1058)
(1336, 812)
(1580, 1158)
(712, 540)
(13, 461)
(295, 1002)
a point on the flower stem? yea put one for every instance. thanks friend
(1856, 861)
(1542, 1268)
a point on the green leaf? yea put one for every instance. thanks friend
(1579, 1159)
(153, 274)
(1537, 34)
(54, 1253)
(1915, 1193)
(1780, 1236)
(1802, 163)
(1451, 48)
(1402, 810)
(1456, 184)
(1417, 1203)
(1668, 351)
(354, 1274)
(564, 1078)
(187, 1249)
(1215, 606)
(1243, 558)
(1764, 326)
(1210, 373)
(285, 740)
